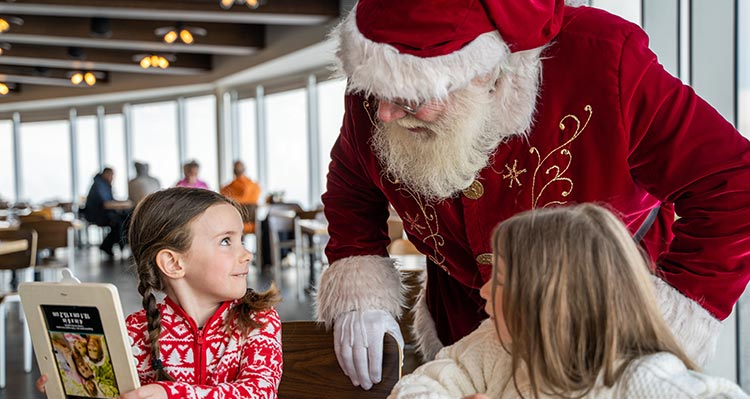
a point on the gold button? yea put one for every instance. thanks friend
(484, 259)
(475, 191)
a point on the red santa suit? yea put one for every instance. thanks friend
(610, 125)
(215, 361)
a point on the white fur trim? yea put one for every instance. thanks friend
(359, 283)
(695, 329)
(380, 69)
(428, 344)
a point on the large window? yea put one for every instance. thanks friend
(247, 120)
(87, 161)
(45, 161)
(200, 132)
(331, 111)
(114, 153)
(288, 164)
(7, 169)
(155, 140)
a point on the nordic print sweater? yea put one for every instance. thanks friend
(479, 364)
(211, 362)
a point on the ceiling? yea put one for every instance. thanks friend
(60, 37)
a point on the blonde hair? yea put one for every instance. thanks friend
(578, 300)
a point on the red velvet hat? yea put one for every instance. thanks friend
(423, 49)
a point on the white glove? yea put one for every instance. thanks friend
(358, 340)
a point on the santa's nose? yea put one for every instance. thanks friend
(389, 112)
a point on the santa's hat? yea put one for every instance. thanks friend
(423, 49)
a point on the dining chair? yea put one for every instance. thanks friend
(281, 233)
(311, 370)
(53, 234)
(22, 264)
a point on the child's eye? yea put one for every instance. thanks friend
(226, 241)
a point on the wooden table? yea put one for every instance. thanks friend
(7, 247)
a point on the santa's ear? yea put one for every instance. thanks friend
(170, 263)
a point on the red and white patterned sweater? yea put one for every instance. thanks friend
(212, 362)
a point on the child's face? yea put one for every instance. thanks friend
(90, 386)
(494, 306)
(216, 264)
(80, 346)
(83, 368)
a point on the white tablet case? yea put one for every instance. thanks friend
(86, 316)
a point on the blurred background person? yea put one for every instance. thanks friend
(191, 179)
(243, 190)
(102, 210)
(143, 184)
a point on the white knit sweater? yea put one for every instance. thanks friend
(479, 364)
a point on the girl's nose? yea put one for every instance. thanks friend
(388, 112)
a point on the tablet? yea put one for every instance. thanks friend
(79, 337)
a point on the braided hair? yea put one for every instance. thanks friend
(162, 221)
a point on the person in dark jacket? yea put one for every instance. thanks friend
(97, 213)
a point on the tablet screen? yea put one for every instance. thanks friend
(81, 353)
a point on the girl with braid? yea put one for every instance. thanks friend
(211, 337)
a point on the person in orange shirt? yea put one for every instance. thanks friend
(243, 190)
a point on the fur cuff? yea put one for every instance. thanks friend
(428, 344)
(380, 69)
(695, 329)
(359, 283)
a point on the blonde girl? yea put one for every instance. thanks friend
(211, 337)
(573, 314)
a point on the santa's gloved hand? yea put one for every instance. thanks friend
(358, 340)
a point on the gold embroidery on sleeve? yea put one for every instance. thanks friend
(513, 173)
(555, 170)
(366, 104)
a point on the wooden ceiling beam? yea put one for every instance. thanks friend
(44, 76)
(135, 35)
(100, 59)
(280, 12)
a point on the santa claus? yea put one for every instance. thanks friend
(461, 114)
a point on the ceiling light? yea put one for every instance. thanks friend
(186, 34)
(227, 4)
(4, 89)
(6, 21)
(100, 27)
(88, 77)
(154, 60)
(76, 78)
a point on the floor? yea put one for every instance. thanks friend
(90, 267)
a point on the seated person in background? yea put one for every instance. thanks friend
(142, 185)
(99, 199)
(574, 314)
(243, 190)
(191, 179)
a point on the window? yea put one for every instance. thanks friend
(155, 140)
(287, 145)
(114, 154)
(45, 161)
(331, 109)
(200, 134)
(87, 154)
(7, 168)
(247, 121)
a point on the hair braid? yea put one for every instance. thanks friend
(146, 287)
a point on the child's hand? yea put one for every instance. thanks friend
(40, 384)
(150, 391)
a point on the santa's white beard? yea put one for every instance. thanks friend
(439, 163)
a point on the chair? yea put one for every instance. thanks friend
(311, 370)
(53, 234)
(281, 232)
(24, 262)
